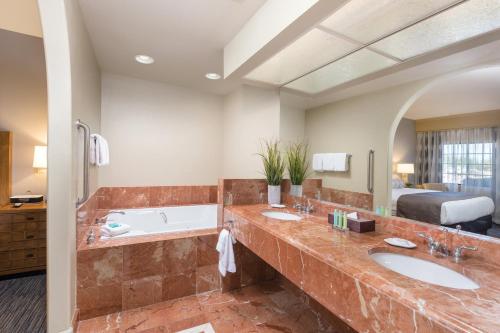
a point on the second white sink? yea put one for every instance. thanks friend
(423, 270)
(281, 215)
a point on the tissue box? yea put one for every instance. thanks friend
(360, 225)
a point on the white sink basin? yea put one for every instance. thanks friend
(281, 215)
(423, 270)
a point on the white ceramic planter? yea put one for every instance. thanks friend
(296, 190)
(273, 194)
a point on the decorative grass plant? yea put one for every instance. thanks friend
(274, 165)
(297, 162)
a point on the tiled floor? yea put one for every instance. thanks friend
(260, 308)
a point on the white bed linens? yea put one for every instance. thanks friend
(466, 210)
(452, 211)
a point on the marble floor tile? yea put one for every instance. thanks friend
(266, 307)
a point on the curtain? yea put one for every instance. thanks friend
(428, 161)
(467, 160)
(496, 175)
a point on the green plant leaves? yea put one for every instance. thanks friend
(298, 164)
(274, 165)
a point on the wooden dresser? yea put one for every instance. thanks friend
(23, 238)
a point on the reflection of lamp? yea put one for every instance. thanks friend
(405, 169)
(40, 157)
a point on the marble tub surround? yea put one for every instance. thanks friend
(334, 268)
(254, 191)
(355, 199)
(265, 307)
(310, 187)
(155, 196)
(112, 279)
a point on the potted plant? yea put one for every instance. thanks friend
(274, 168)
(298, 166)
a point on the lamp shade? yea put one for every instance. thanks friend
(406, 168)
(40, 157)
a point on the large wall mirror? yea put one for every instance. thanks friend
(435, 149)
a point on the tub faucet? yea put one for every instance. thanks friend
(91, 237)
(103, 219)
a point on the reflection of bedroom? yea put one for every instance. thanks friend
(446, 155)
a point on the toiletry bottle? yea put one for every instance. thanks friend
(335, 217)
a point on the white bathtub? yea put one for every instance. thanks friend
(149, 221)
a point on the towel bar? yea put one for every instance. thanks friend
(86, 143)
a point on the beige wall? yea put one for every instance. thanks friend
(405, 144)
(469, 120)
(20, 16)
(292, 123)
(23, 106)
(355, 126)
(73, 92)
(160, 134)
(251, 115)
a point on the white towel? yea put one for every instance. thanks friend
(317, 162)
(335, 162)
(99, 150)
(226, 252)
(114, 229)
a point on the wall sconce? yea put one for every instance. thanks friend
(40, 158)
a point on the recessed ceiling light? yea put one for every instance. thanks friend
(144, 59)
(212, 76)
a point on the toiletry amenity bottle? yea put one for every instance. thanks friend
(335, 218)
(344, 221)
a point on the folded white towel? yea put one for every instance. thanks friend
(335, 162)
(114, 229)
(99, 150)
(226, 252)
(328, 161)
(340, 162)
(317, 162)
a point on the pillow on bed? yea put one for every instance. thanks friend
(397, 182)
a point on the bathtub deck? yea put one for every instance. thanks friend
(122, 241)
(267, 307)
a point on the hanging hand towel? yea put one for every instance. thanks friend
(226, 253)
(99, 150)
(317, 162)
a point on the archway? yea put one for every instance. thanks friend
(426, 105)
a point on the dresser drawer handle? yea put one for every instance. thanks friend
(30, 236)
(30, 218)
(30, 255)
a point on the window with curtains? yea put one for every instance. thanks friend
(468, 164)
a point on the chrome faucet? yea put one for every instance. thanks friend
(91, 236)
(443, 249)
(304, 207)
(457, 253)
(102, 220)
(433, 245)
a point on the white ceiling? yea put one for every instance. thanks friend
(359, 39)
(469, 92)
(186, 37)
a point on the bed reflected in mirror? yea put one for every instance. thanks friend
(454, 153)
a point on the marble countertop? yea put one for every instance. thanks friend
(446, 309)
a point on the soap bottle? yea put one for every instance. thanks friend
(344, 221)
